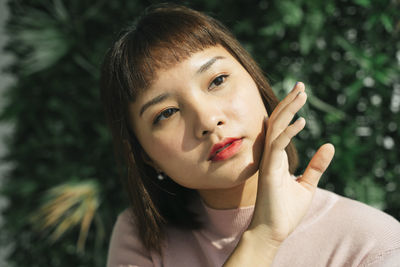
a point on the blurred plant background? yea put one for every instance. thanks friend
(63, 189)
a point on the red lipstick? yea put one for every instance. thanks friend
(225, 149)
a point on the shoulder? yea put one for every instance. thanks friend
(126, 248)
(339, 231)
(124, 229)
(364, 218)
(356, 216)
(363, 227)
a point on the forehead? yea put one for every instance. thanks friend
(189, 66)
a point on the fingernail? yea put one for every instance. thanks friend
(300, 84)
(295, 85)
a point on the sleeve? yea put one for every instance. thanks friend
(375, 235)
(385, 242)
(126, 249)
(389, 258)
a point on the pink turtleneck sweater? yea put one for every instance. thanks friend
(336, 231)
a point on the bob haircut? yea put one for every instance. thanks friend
(162, 37)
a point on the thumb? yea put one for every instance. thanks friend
(317, 166)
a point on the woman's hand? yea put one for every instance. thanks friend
(281, 200)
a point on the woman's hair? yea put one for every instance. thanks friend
(162, 37)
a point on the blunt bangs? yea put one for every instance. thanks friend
(159, 41)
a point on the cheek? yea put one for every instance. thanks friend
(170, 157)
(168, 153)
(247, 103)
(162, 150)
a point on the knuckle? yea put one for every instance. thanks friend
(275, 144)
(290, 131)
(278, 126)
(317, 168)
(293, 110)
(307, 184)
(273, 128)
(286, 134)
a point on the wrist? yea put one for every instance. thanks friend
(253, 250)
(262, 236)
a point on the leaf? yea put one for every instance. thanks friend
(291, 12)
(306, 42)
(387, 23)
(60, 11)
(363, 3)
(45, 40)
(67, 205)
(353, 90)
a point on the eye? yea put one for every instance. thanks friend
(165, 114)
(218, 81)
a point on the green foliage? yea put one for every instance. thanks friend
(346, 52)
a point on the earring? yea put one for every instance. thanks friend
(160, 176)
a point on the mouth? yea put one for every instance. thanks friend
(225, 149)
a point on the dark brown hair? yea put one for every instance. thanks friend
(163, 36)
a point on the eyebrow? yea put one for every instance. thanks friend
(208, 64)
(154, 101)
(164, 96)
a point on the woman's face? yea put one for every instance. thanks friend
(202, 101)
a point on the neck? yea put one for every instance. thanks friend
(230, 198)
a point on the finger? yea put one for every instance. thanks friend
(298, 87)
(277, 151)
(281, 122)
(283, 140)
(317, 166)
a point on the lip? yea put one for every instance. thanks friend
(234, 145)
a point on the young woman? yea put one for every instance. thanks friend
(209, 160)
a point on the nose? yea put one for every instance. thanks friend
(208, 118)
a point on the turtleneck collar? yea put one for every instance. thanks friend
(228, 222)
(233, 222)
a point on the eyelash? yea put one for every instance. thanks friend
(223, 76)
(166, 115)
(163, 113)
